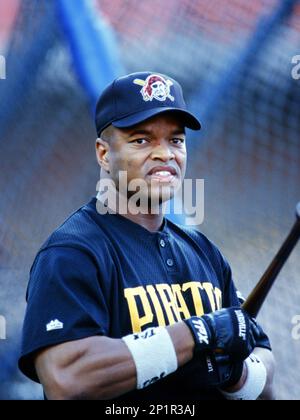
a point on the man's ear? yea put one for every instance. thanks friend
(102, 153)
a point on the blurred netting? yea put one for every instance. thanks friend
(233, 59)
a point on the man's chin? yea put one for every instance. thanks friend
(159, 198)
(150, 203)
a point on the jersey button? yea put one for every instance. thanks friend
(170, 262)
(162, 243)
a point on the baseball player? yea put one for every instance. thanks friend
(132, 306)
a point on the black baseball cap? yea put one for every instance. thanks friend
(132, 99)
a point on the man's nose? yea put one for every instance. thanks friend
(162, 151)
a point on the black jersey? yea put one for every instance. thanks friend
(106, 275)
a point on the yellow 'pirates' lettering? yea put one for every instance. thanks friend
(164, 304)
(169, 303)
(218, 296)
(208, 287)
(194, 286)
(182, 307)
(137, 322)
(157, 306)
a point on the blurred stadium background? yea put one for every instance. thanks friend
(234, 60)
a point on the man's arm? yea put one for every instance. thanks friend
(99, 367)
(268, 360)
(105, 368)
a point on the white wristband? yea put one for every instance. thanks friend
(255, 382)
(153, 353)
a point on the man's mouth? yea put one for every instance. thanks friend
(164, 174)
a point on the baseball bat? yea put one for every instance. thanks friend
(257, 297)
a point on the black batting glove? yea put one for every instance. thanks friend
(229, 331)
(210, 370)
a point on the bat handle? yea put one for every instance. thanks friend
(256, 299)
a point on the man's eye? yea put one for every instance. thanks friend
(139, 141)
(178, 141)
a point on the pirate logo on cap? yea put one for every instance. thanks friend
(155, 87)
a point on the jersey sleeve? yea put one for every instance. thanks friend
(64, 302)
(233, 297)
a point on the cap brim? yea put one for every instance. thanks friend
(189, 120)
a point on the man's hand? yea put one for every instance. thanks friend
(230, 332)
(211, 371)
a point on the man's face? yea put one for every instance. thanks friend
(154, 151)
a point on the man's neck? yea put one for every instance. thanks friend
(151, 222)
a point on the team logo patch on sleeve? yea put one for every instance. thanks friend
(54, 325)
(155, 87)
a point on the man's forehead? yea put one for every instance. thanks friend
(165, 121)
